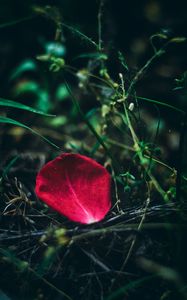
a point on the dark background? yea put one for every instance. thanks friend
(124, 22)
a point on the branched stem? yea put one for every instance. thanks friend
(137, 145)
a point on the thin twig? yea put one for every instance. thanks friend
(100, 14)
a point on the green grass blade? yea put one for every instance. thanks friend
(7, 168)
(14, 22)
(94, 55)
(119, 293)
(161, 103)
(14, 104)
(81, 34)
(14, 122)
(23, 266)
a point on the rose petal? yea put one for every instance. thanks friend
(76, 186)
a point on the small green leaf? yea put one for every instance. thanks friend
(56, 49)
(62, 93)
(28, 87)
(122, 60)
(43, 102)
(58, 121)
(179, 39)
(25, 66)
(181, 83)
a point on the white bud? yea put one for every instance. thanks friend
(120, 75)
(131, 106)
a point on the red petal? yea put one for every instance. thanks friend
(75, 186)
